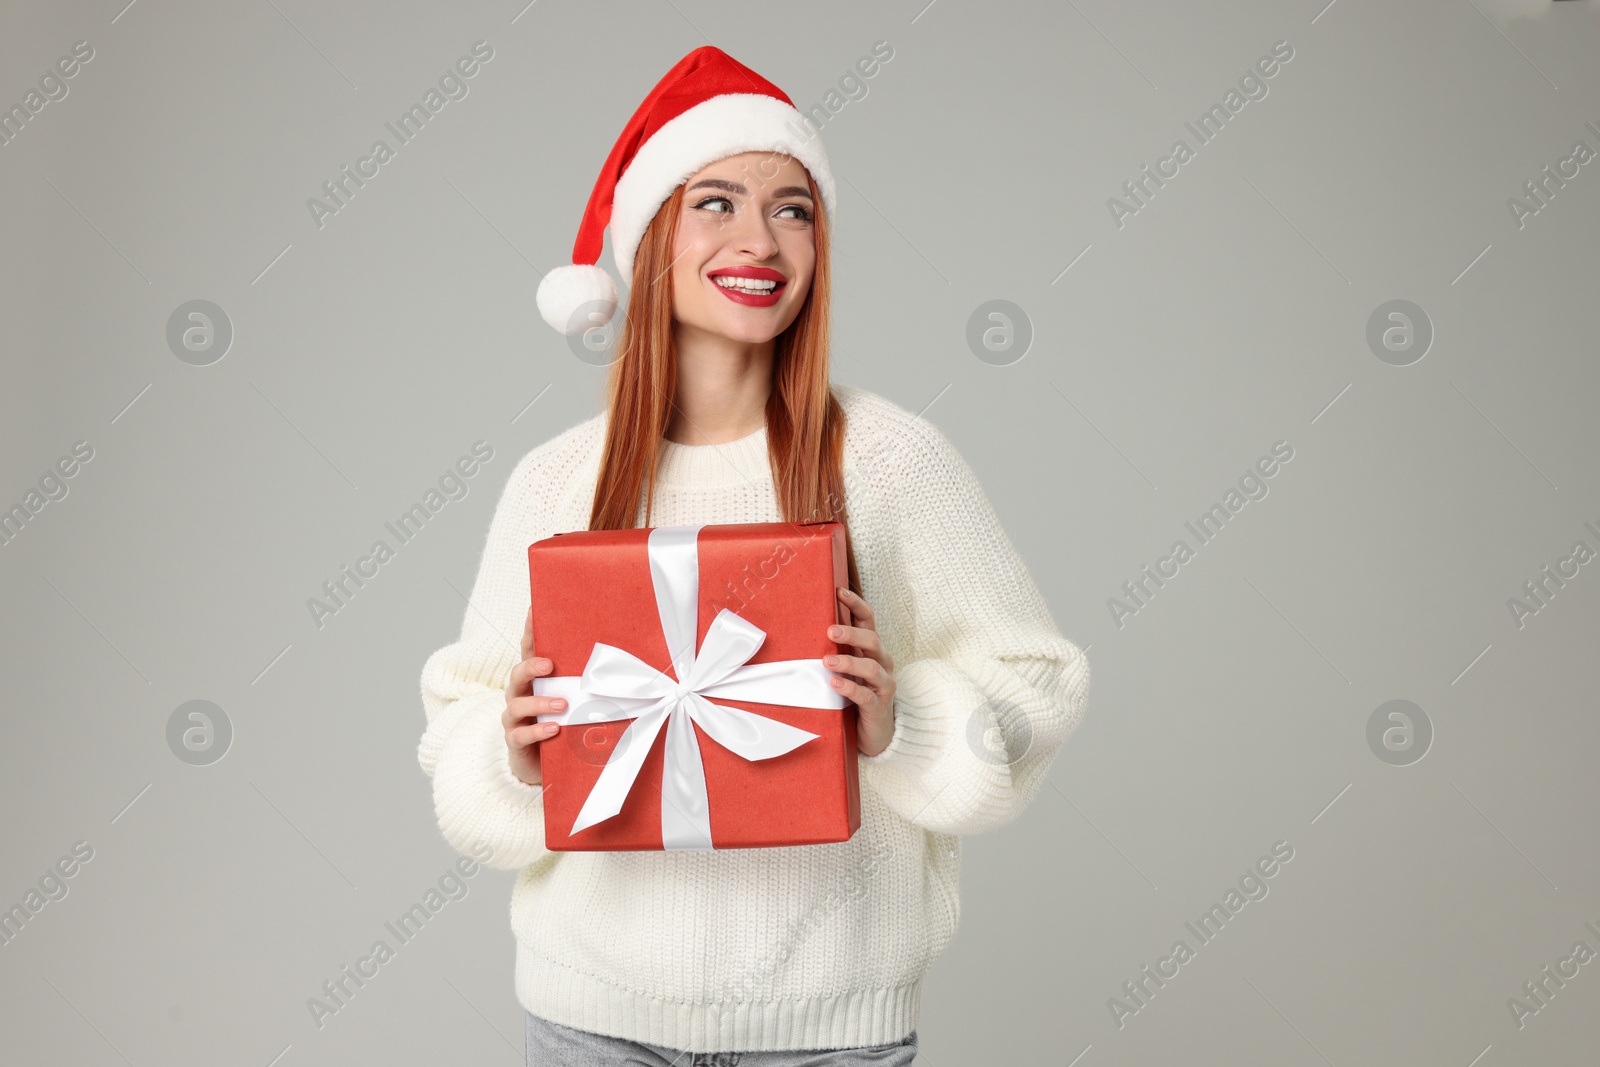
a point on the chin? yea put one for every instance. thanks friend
(747, 329)
(751, 333)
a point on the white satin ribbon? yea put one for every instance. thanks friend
(617, 685)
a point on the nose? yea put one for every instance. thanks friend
(752, 235)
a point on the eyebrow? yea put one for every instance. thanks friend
(735, 187)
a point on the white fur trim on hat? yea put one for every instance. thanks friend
(713, 129)
(577, 297)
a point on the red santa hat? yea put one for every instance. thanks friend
(707, 107)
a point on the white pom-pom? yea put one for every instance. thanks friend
(577, 297)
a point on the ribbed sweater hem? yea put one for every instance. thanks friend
(852, 1019)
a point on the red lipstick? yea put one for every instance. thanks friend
(751, 297)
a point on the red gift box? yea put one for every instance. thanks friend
(694, 650)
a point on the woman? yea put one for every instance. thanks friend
(720, 410)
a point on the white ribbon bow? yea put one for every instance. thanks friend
(617, 685)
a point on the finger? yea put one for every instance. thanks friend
(859, 608)
(528, 706)
(521, 674)
(854, 691)
(868, 670)
(865, 640)
(527, 634)
(863, 667)
(524, 672)
(524, 736)
(523, 709)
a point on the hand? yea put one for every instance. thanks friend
(866, 677)
(523, 730)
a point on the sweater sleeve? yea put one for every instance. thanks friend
(480, 804)
(990, 689)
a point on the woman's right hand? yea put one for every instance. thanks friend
(523, 730)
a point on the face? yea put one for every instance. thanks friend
(746, 219)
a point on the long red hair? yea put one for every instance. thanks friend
(805, 422)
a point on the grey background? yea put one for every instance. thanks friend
(1229, 313)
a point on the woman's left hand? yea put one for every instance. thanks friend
(867, 677)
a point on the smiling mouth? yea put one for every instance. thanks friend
(746, 285)
(752, 292)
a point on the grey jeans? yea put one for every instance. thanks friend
(554, 1045)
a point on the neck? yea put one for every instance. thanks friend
(722, 387)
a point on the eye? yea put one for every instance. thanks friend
(803, 214)
(716, 200)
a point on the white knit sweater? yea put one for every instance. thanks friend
(807, 947)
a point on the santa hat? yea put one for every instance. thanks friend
(707, 107)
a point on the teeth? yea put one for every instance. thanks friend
(745, 285)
